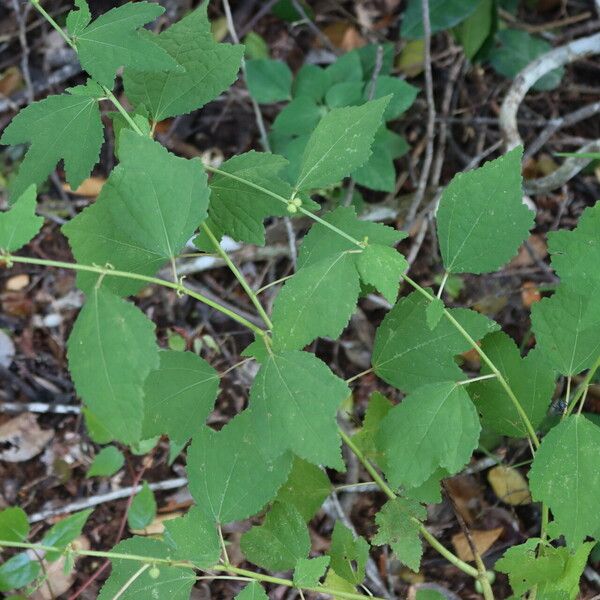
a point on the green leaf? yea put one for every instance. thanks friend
(340, 143)
(473, 31)
(379, 406)
(280, 541)
(208, 68)
(517, 49)
(115, 40)
(300, 116)
(397, 528)
(567, 329)
(430, 491)
(143, 509)
(309, 571)
(311, 82)
(349, 555)
(111, 350)
(403, 95)
(347, 93)
(434, 426)
(407, 352)
(172, 583)
(14, 526)
(368, 58)
(253, 591)
(106, 463)
(334, 582)
(443, 14)
(64, 532)
(434, 313)
(67, 127)
(179, 395)
(78, 18)
(255, 46)
(229, 475)
(382, 267)
(347, 67)
(306, 488)
(19, 224)
(147, 211)
(294, 401)
(481, 220)
(530, 379)
(18, 571)
(268, 80)
(193, 537)
(565, 476)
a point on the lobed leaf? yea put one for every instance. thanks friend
(309, 571)
(253, 591)
(349, 554)
(382, 267)
(365, 439)
(20, 225)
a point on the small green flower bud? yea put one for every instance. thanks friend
(154, 572)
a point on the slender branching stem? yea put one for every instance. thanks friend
(36, 4)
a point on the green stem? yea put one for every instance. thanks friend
(238, 275)
(108, 272)
(385, 488)
(474, 379)
(42, 11)
(122, 110)
(583, 386)
(130, 581)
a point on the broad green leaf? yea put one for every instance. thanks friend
(309, 571)
(365, 439)
(347, 67)
(474, 31)
(253, 591)
(209, 69)
(306, 488)
(443, 14)
(294, 401)
(481, 220)
(171, 583)
(368, 58)
(334, 582)
(111, 350)
(424, 593)
(268, 80)
(430, 491)
(407, 352)
(14, 526)
(300, 116)
(106, 463)
(530, 379)
(78, 18)
(143, 509)
(67, 127)
(179, 395)
(347, 93)
(397, 528)
(64, 532)
(349, 555)
(280, 541)
(517, 49)
(19, 224)
(403, 95)
(340, 143)
(255, 46)
(382, 267)
(567, 329)
(147, 211)
(230, 478)
(238, 209)
(434, 426)
(565, 476)
(18, 571)
(434, 313)
(115, 39)
(311, 82)
(193, 537)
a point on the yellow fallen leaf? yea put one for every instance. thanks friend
(482, 540)
(509, 485)
(17, 283)
(411, 59)
(157, 527)
(89, 188)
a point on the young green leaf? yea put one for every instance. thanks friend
(398, 529)
(280, 541)
(306, 488)
(347, 67)
(443, 14)
(178, 396)
(382, 267)
(403, 95)
(311, 82)
(143, 509)
(294, 401)
(64, 532)
(18, 571)
(349, 555)
(209, 68)
(407, 352)
(67, 127)
(106, 463)
(434, 426)
(473, 32)
(14, 526)
(340, 144)
(309, 571)
(161, 582)
(19, 224)
(530, 378)
(148, 209)
(111, 350)
(338, 584)
(268, 80)
(115, 40)
(230, 477)
(565, 476)
(298, 117)
(481, 220)
(434, 313)
(430, 491)
(253, 591)
(379, 406)
(347, 93)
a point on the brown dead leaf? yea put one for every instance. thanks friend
(90, 187)
(157, 527)
(509, 485)
(524, 258)
(17, 283)
(482, 540)
(466, 494)
(10, 81)
(22, 438)
(344, 35)
(530, 294)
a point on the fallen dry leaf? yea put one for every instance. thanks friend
(509, 485)
(17, 283)
(482, 540)
(157, 527)
(530, 294)
(344, 35)
(10, 81)
(22, 438)
(537, 245)
(90, 187)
